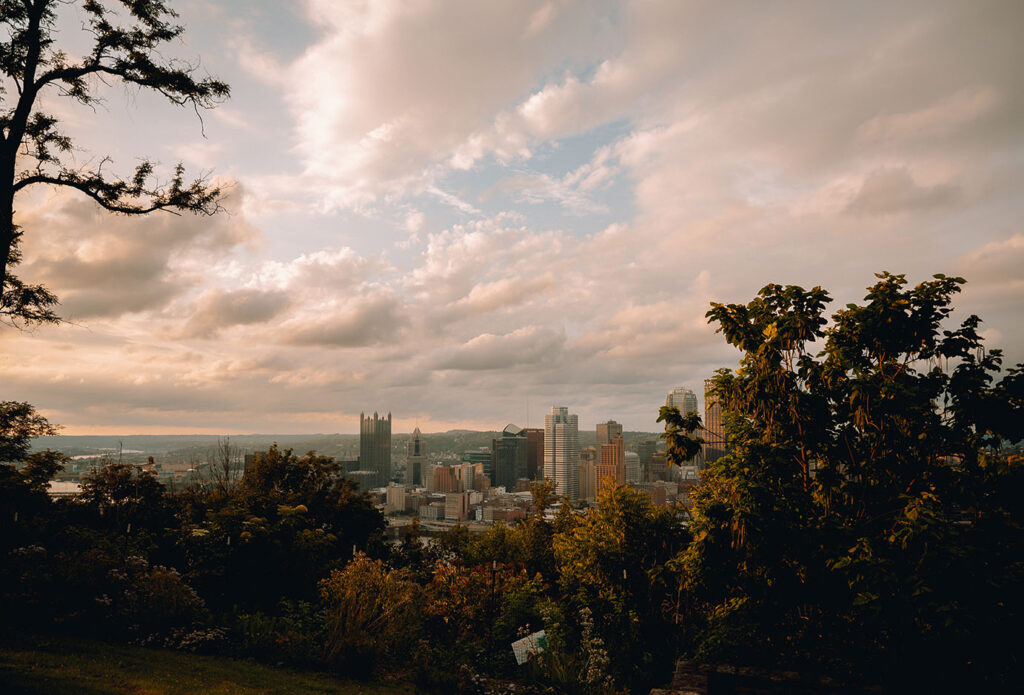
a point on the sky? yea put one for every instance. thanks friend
(466, 212)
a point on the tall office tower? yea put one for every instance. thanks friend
(658, 470)
(509, 456)
(465, 474)
(607, 431)
(375, 446)
(646, 451)
(562, 451)
(481, 457)
(611, 466)
(588, 473)
(633, 474)
(534, 452)
(442, 479)
(714, 430)
(684, 399)
(415, 458)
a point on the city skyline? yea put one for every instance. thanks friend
(467, 211)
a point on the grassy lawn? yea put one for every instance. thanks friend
(80, 667)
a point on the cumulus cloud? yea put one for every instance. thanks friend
(105, 266)
(365, 320)
(390, 89)
(998, 262)
(220, 309)
(522, 346)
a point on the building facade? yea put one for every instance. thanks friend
(375, 446)
(607, 432)
(714, 429)
(415, 458)
(633, 473)
(534, 452)
(562, 451)
(588, 473)
(509, 455)
(684, 399)
(611, 466)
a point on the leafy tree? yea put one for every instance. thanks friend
(290, 521)
(23, 476)
(857, 522)
(126, 40)
(613, 563)
(19, 424)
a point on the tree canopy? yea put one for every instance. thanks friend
(126, 40)
(860, 521)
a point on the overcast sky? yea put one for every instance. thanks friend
(466, 212)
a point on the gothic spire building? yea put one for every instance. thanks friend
(375, 446)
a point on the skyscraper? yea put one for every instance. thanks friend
(588, 473)
(633, 474)
(646, 451)
(611, 466)
(415, 458)
(534, 452)
(375, 446)
(607, 432)
(714, 430)
(682, 398)
(509, 456)
(562, 451)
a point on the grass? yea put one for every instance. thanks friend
(82, 667)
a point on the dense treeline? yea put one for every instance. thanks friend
(866, 523)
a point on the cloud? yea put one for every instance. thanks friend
(955, 111)
(479, 204)
(361, 321)
(893, 190)
(102, 265)
(995, 263)
(528, 345)
(220, 309)
(390, 89)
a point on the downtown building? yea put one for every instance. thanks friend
(534, 452)
(415, 459)
(375, 447)
(509, 456)
(714, 428)
(682, 398)
(562, 451)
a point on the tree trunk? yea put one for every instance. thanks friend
(6, 230)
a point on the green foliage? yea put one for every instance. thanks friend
(845, 527)
(295, 633)
(373, 616)
(679, 429)
(19, 423)
(613, 563)
(290, 521)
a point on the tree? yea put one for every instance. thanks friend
(24, 476)
(860, 522)
(290, 520)
(19, 424)
(126, 48)
(613, 563)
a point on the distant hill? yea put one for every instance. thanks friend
(186, 446)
